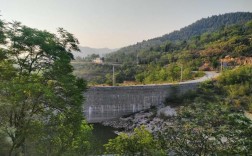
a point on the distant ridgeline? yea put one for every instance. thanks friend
(204, 25)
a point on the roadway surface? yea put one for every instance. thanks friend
(208, 76)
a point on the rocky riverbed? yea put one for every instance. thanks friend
(153, 119)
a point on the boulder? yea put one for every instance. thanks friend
(167, 112)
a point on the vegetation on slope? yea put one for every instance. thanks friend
(164, 62)
(209, 122)
(41, 100)
(205, 25)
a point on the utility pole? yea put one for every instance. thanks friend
(221, 65)
(137, 60)
(181, 73)
(113, 75)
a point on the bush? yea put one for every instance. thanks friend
(140, 142)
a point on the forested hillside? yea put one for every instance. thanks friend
(163, 63)
(202, 52)
(214, 120)
(41, 100)
(204, 25)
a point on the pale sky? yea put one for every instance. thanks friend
(115, 23)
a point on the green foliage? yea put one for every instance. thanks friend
(41, 101)
(236, 84)
(109, 79)
(93, 73)
(63, 139)
(207, 124)
(239, 75)
(170, 73)
(140, 142)
(198, 46)
(208, 45)
(208, 129)
(166, 42)
(91, 57)
(210, 122)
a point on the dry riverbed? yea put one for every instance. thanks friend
(153, 119)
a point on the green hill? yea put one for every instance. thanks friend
(163, 62)
(201, 26)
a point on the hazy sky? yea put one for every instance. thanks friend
(115, 23)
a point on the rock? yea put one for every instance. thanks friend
(153, 121)
(167, 112)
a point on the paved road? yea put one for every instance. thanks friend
(208, 75)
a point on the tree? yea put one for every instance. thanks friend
(173, 72)
(2, 36)
(236, 85)
(211, 123)
(208, 129)
(41, 101)
(91, 57)
(140, 142)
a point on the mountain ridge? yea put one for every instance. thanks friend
(199, 27)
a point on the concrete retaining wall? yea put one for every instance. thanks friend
(105, 103)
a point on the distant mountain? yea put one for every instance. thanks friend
(88, 51)
(198, 28)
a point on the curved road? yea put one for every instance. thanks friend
(208, 75)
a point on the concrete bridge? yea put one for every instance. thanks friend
(105, 103)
